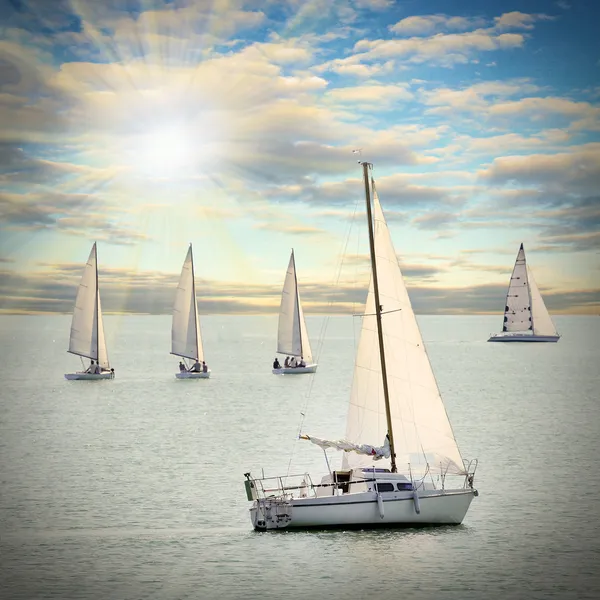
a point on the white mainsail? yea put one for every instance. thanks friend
(423, 436)
(186, 340)
(542, 323)
(517, 310)
(292, 336)
(87, 330)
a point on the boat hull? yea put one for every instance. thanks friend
(188, 375)
(88, 376)
(520, 337)
(295, 370)
(364, 510)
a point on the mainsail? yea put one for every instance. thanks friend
(87, 330)
(292, 336)
(186, 340)
(517, 310)
(423, 436)
(542, 323)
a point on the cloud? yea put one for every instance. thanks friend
(76, 214)
(427, 24)
(519, 20)
(441, 49)
(370, 96)
(435, 219)
(53, 290)
(394, 190)
(584, 114)
(374, 4)
(577, 170)
(290, 229)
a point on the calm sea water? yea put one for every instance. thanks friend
(133, 488)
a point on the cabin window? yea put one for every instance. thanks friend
(405, 487)
(384, 487)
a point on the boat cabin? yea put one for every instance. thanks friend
(363, 480)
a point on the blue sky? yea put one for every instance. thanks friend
(146, 125)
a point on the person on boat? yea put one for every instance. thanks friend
(293, 364)
(286, 362)
(91, 368)
(97, 370)
(276, 364)
(196, 368)
(204, 367)
(181, 366)
(301, 363)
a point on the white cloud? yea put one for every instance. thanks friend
(519, 20)
(428, 24)
(370, 95)
(442, 49)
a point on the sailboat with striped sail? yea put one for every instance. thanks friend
(526, 318)
(417, 476)
(87, 329)
(292, 336)
(186, 338)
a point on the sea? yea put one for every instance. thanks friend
(133, 488)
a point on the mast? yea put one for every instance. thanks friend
(297, 305)
(195, 302)
(528, 289)
(388, 413)
(96, 308)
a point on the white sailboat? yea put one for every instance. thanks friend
(292, 336)
(526, 317)
(87, 330)
(186, 340)
(418, 476)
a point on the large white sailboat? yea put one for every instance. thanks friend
(87, 330)
(526, 317)
(417, 476)
(186, 339)
(292, 336)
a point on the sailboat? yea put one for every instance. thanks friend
(526, 317)
(417, 476)
(292, 336)
(87, 330)
(186, 340)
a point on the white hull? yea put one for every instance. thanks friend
(434, 507)
(295, 370)
(188, 375)
(89, 376)
(522, 337)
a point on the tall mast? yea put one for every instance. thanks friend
(96, 307)
(297, 304)
(386, 395)
(195, 303)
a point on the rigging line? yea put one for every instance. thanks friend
(322, 334)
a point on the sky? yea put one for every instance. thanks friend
(146, 125)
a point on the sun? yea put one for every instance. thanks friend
(163, 152)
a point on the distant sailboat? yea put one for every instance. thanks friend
(87, 331)
(186, 340)
(417, 476)
(292, 336)
(526, 317)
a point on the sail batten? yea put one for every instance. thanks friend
(186, 339)
(292, 335)
(86, 338)
(423, 436)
